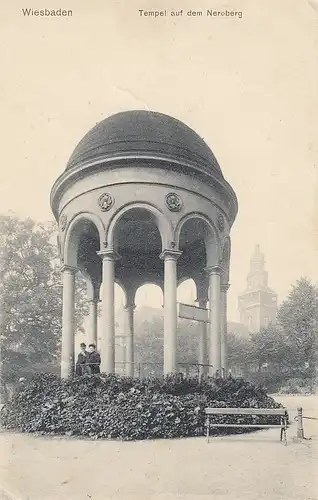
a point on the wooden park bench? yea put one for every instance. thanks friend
(280, 412)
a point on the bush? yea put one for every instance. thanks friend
(110, 406)
(298, 386)
(270, 380)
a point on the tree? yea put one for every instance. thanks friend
(289, 348)
(298, 316)
(188, 337)
(149, 344)
(270, 345)
(31, 295)
(238, 352)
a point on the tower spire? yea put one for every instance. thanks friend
(257, 262)
(257, 277)
(258, 303)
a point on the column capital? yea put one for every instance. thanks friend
(202, 302)
(170, 254)
(109, 255)
(214, 270)
(130, 305)
(70, 269)
(93, 300)
(199, 277)
(225, 287)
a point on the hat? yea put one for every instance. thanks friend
(82, 344)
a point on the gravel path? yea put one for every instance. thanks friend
(252, 467)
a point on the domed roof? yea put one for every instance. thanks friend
(144, 133)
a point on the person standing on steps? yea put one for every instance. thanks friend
(81, 367)
(93, 359)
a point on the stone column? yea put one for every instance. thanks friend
(203, 342)
(107, 343)
(68, 322)
(170, 258)
(214, 273)
(130, 307)
(92, 315)
(201, 283)
(224, 360)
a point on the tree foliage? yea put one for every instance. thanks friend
(298, 317)
(289, 348)
(31, 295)
(270, 345)
(238, 351)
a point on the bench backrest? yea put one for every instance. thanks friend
(246, 411)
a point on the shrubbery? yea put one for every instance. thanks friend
(298, 386)
(128, 409)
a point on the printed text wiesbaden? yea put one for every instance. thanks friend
(47, 12)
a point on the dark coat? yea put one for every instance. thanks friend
(81, 364)
(94, 362)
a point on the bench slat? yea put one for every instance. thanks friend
(245, 411)
(259, 426)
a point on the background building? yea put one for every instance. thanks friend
(258, 303)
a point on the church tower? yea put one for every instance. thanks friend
(258, 303)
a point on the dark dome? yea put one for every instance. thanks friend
(144, 133)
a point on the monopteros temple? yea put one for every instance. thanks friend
(143, 200)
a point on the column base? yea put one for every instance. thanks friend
(130, 370)
(67, 369)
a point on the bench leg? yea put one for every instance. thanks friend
(208, 429)
(283, 434)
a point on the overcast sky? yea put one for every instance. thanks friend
(248, 86)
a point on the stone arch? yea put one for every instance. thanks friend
(210, 236)
(157, 284)
(182, 281)
(120, 284)
(74, 231)
(123, 288)
(90, 289)
(163, 225)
